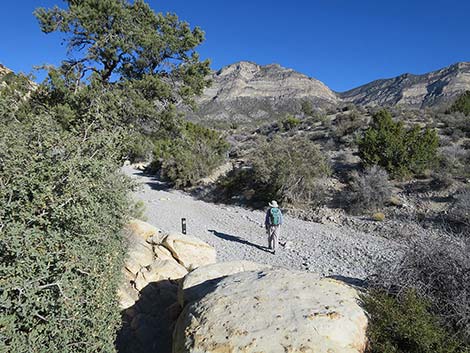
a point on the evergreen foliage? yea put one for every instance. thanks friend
(193, 154)
(290, 122)
(462, 104)
(404, 324)
(63, 201)
(281, 169)
(62, 205)
(401, 151)
(307, 108)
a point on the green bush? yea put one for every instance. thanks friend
(140, 148)
(404, 324)
(190, 156)
(62, 206)
(401, 151)
(436, 268)
(307, 108)
(290, 122)
(462, 104)
(286, 170)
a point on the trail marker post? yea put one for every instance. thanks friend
(183, 225)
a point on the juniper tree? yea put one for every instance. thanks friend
(148, 59)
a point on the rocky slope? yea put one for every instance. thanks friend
(247, 92)
(436, 88)
(4, 70)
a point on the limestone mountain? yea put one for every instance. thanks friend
(4, 70)
(433, 89)
(7, 76)
(4, 73)
(246, 91)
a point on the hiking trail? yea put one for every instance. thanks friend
(238, 233)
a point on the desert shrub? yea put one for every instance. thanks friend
(378, 217)
(369, 190)
(401, 151)
(192, 155)
(307, 108)
(140, 148)
(347, 124)
(290, 122)
(455, 124)
(62, 206)
(453, 162)
(438, 269)
(459, 212)
(462, 104)
(404, 324)
(137, 210)
(287, 170)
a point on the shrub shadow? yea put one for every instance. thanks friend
(147, 326)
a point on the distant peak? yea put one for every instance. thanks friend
(4, 70)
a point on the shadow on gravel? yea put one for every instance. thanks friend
(236, 239)
(158, 185)
(155, 183)
(354, 282)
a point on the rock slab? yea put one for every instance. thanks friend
(273, 311)
(200, 281)
(148, 293)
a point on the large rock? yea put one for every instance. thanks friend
(142, 229)
(273, 311)
(159, 270)
(189, 251)
(148, 294)
(201, 281)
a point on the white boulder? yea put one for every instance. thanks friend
(200, 281)
(273, 311)
(189, 251)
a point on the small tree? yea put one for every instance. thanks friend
(145, 62)
(190, 156)
(462, 104)
(289, 170)
(402, 152)
(307, 107)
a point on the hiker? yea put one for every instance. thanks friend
(272, 222)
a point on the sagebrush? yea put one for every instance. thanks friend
(369, 190)
(290, 170)
(438, 269)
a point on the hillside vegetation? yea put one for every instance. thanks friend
(63, 201)
(125, 93)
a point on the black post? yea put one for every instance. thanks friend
(183, 225)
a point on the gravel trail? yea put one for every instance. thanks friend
(238, 233)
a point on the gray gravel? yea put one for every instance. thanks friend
(238, 234)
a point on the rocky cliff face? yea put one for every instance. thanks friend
(429, 90)
(246, 91)
(4, 70)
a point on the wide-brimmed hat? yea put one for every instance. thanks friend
(273, 204)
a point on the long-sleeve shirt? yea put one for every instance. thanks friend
(267, 219)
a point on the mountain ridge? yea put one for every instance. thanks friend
(434, 88)
(247, 91)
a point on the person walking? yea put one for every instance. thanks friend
(272, 223)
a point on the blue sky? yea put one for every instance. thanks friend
(344, 43)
